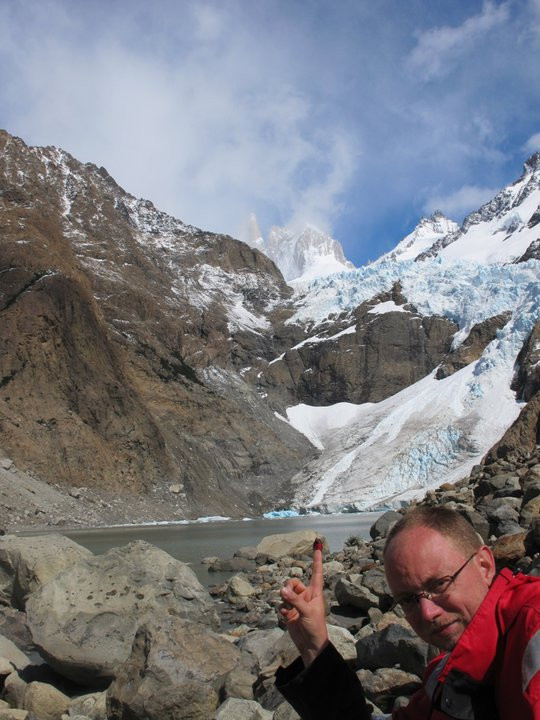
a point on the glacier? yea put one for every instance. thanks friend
(383, 454)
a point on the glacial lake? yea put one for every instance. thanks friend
(194, 541)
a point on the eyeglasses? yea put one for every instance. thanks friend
(435, 590)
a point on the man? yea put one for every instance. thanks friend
(444, 579)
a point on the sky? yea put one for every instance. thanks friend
(354, 116)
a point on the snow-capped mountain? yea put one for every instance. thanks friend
(300, 255)
(422, 238)
(437, 428)
(434, 430)
(503, 229)
(155, 355)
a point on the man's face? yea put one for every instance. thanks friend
(418, 556)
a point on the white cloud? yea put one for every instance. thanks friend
(209, 133)
(438, 48)
(299, 112)
(461, 202)
(533, 143)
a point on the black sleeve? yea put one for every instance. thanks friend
(326, 690)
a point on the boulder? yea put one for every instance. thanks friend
(238, 586)
(374, 580)
(176, 669)
(382, 526)
(343, 641)
(13, 626)
(259, 648)
(384, 685)
(353, 593)
(285, 712)
(236, 709)
(11, 652)
(27, 563)
(395, 645)
(530, 511)
(14, 690)
(477, 520)
(508, 549)
(299, 542)
(13, 714)
(84, 620)
(45, 701)
(239, 684)
(92, 706)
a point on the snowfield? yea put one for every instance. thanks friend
(380, 454)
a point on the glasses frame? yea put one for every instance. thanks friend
(429, 594)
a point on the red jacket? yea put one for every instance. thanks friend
(491, 674)
(493, 670)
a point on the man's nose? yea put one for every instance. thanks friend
(429, 610)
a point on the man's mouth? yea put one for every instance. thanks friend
(444, 630)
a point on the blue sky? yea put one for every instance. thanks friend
(358, 117)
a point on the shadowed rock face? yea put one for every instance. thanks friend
(377, 355)
(472, 348)
(523, 435)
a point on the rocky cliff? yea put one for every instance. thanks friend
(121, 328)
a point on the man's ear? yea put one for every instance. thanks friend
(486, 563)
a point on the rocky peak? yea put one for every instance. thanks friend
(533, 163)
(306, 254)
(429, 231)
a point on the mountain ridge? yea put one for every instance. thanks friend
(142, 354)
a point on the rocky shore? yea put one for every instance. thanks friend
(133, 634)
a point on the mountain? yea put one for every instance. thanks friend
(122, 333)
(144, 359)
(503, 230)
(302, 255)
(428, 232)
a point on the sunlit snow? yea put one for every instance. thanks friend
(435, 430)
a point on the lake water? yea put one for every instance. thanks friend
(192, 542)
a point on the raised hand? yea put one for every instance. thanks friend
(304, 611)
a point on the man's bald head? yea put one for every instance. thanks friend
(446, 522)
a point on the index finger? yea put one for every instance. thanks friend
(317, 568)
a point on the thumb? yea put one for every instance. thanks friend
(294, 600)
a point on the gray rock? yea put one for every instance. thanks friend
(343, 641)
(260, 647)
(238, 586)
(45, 701)
(299, 542)
(92, 706)
(176, 669)
(375, 580)
(285, 712)
(27, 563)
(355, 594)
(11, 652)
(14, 690)
(84, 620)
(529, 512)
(477, 520)
(13, 626)
(531, 489)
(385, 684)
(394, 645)
(236, 709)
(239, 684)
(13, 714)
(383, 525)
(248, 553)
